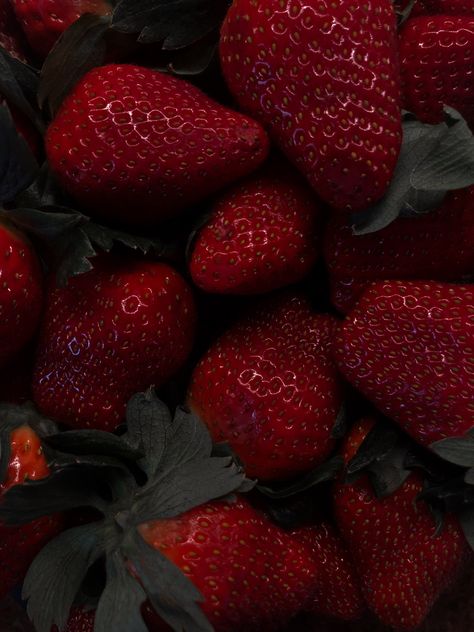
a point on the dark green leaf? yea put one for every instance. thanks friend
(56, 575)
(105, 237)
(15, 415)
(77, 251)
(43, 192)
(466, 519)
(377, 444)
(469, 478)
(80, 48)
(340, 425)
(196, 58)
(91, 442)
(45, 225)
(457, 450)
(388, 474)
(188, 440)
(19, 85)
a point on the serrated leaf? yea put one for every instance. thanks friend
(43, 192)
(381, 439)
(75, 257)
(188, 439)
(466, 518)
(55, 576)
(388, 474)
(457, 450)
(19, 85)
(105, 238)
(340, 425)
(120, 602)
(45, 225)
(93, 442)
(173, 596)
(79, 49)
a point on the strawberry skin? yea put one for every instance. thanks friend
(11, 37)
(108, 334)
(269, 387)
(137, 146)
(43, 21)
(21, 292)
(323, 78)
(338, 593)
(263, 234)
(403, 564)
(252, 574)
(407, 346)
(409, 248)
(20, 544)
(437, 66)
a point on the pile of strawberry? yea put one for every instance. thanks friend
(237, 312)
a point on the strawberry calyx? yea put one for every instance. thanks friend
(178, 470)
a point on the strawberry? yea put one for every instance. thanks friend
(138, 146)
(403, 562)
(268, 386)
(26, 461)
(323, 77)
(408, 248)
(80, 620)
(441, 7)
(263, 234)
(122, 326)
(11, 37)
(43, 21)
(436, 66)
(338, 592)
(407, 346)
(21, 292)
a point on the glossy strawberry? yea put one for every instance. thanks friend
(407, 346)
(442, 7)
(20, 544)
(409, 248)
(21, 292)
(437, 62)
(80, 620)
(323, 77)
(403, 563)
(138, 146)
(43, 21)
(338, 593)
(268, 386)
(123, 326)
(263, 234)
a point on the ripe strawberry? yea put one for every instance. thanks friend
(20, 544)
(21, 293)
(436, 65)
(269, 387)
(403, 563)
(122, 326)
(11, 37)
(409, 248)
(323, 77)
(43, 21)
(338, 593)
(137, 146)
(407, 346)
(80, 620)
(263, 234)
(441, 7)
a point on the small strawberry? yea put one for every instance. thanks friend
(21, 292)
(403, 562)
(436, 64)
(338, 592)
(408, 248)
(138, 146)
(269, 387)
(323, 77)
(122, 326)
(43, 21)
(407, 346)
(263, 234)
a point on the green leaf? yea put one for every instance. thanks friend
(188, 440)
(45, 225)
(340, 425)
(19, 85)
(388, 474)
(469, 478)
(457, 450)
(93, 442)
(466, 518)
(105, 238)
(377, 444)
(79, 49)
(55, 576)
(77, 251)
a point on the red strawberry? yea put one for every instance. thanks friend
(21, 293)
(80, 620)
(409, 248)
(121, 327)
(323, 77)
(338, 592)
(407, 346)
(43, 21)
(11, 37)
(20, 544)
(442, 7)
(437, 64)
(263, 234)
(269, 387)
(404, 564)
(137, 146)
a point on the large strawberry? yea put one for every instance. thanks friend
(123, 326)
(407, 346)
(436, 65)
(409, 248)
(263, 234)
(269, 387)
(137, 146)
(323, 77)
(43, 21)
(403, 561)
(11, 37)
